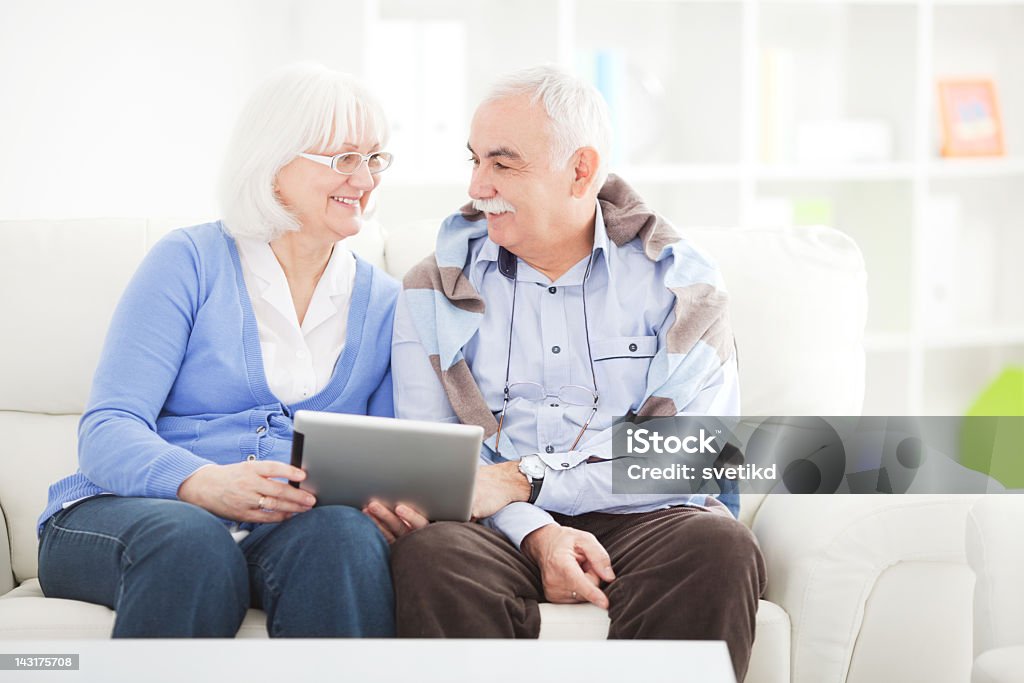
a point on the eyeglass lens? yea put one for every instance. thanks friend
(570, 394)
(350, 161)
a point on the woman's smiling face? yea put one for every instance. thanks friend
(327, 204)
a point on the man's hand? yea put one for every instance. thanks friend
(572, 564)
(394, 522)
(247, 492)
(497, 486)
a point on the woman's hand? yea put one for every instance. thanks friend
(247, 492)
(394, 523)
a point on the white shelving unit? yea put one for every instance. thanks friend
(707, 99)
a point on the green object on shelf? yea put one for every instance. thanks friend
(812, 211)
(995, 446)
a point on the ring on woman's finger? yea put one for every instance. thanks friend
(574, 595)
(259, 505)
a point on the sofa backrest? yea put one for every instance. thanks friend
(995, 551)
(798, 310)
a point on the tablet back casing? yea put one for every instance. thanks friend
(349, 459)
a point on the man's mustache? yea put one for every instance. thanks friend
(493, 205)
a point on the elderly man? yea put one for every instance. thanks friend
(548, 309)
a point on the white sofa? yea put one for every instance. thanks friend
(995, 550)
(860, 588)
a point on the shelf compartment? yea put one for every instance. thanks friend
(972, 257)
(878, 216)
(822, 63)
(983, 40)
(672, 75)
(887, 383)
(953, 378)
(706, 204)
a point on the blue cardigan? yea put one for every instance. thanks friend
(180, 381)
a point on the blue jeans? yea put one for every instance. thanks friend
(171, 569)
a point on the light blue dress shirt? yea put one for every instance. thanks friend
(629, 311)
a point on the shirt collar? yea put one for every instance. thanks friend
(336, 281)
(260, 260)
(574, 276)
(335, 286)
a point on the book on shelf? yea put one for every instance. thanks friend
(971, 122)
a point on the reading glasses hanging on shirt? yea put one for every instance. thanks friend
(349, 162)
(571, 394)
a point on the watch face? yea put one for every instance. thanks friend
(533, 467)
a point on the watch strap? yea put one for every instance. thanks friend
(535, 485)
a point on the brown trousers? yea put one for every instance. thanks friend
(681, 573)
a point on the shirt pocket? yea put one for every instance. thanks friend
(621, 365)
(614, 348)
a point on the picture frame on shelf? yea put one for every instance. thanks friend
(971, 122)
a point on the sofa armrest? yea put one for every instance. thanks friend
(824, 555)
(995, 551)
(6, 570)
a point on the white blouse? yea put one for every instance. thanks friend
(297, 360)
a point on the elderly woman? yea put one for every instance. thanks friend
(181, 515)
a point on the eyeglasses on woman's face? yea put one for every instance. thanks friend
(349, 162)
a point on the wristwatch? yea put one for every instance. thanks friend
(534, 469)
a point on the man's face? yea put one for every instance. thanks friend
(511, 153)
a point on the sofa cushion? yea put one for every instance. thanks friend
(769, 659)
(40, 450)
(1003, 665)
(829, 557)
(26, 614)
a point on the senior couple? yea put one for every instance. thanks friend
(555, 300)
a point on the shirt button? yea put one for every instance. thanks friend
(632, 347)
(261, 429)
(549, 449)
(556, 349)
(300, 354)
(565, 465)
(251, 457)
(552, 289)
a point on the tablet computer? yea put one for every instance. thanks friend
(350, 459)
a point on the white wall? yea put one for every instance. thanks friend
(121, 107)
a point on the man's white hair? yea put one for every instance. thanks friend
(577, 113)
(302, 107)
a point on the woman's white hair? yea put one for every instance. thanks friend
(577, 113)
(302, 107)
